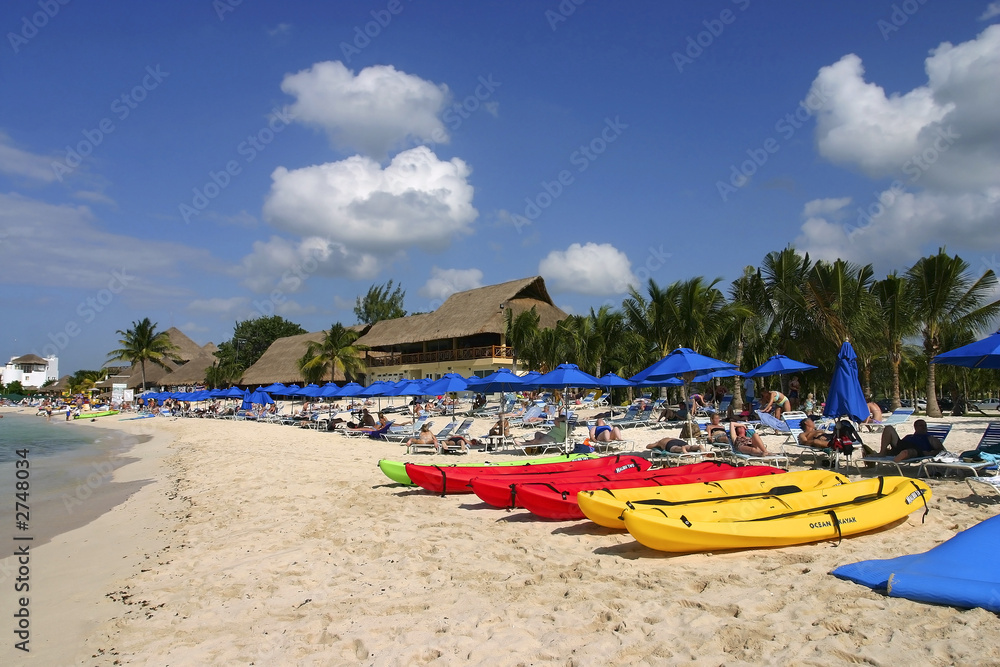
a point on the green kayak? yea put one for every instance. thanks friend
(396, 470)
(88, 415)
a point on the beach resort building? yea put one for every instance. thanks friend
(466, 335)
(31, 370)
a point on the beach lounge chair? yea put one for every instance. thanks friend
(988, 449)
(896, 418)
(463, 428)
(939, 430)
(770, 424)
(989, 485)
(739, 458)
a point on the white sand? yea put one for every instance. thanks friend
(287, 546)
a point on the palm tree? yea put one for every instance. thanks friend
(747, 308)
(521, 330)
(944, 296)
(897, 321)
(337, 351)
(84, 380)
(651, 319)
(144, 343)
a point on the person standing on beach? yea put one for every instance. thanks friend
(793, 392)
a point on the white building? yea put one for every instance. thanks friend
(30, 370)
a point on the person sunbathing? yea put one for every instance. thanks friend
(555, 435)
(876, 414)
(917, 444)
(496, 429)
(456, 441)
(602, 432)
(747, 441)
(674, 445)
(424, 437)
(715, 431)
(812, 436)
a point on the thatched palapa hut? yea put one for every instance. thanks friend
(465, 335)
(186, 351)
(280, 363)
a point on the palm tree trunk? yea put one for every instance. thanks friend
(895, 404)
(737, 402)
(932, 405)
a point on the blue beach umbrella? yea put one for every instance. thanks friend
(983, 353)
(275, 388)
(500, 380)
(779, 364)
(328, 390)
(846, 396)
(234, 392)
(682, 361)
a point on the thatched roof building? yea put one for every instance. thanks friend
(186, 351)
(280, 363)
(190, 373)
(466, 334)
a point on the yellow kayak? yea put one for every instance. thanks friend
(605, 506)
(779, 521)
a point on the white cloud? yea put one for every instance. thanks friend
(375, 111)
(992, 10)
(445, 282)
(59, 245)
(286, 266)
(96, 197)
(594, 269)
(940, 145)
(289, 308)
(417, 200)
(17, 162)
(280, 30)
(825, 206)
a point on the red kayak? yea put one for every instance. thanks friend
(557, 499)
(501, 490)
(455, 479)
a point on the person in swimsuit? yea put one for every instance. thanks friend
(748, 441)
(715, 431)
(917, 444)
(776, 400)
(793, 392)
(601, 432)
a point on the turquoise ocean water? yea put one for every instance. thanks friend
(42, 438)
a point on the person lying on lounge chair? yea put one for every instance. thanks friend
(455, 441)
(496, 428)
(674, 445)
(715, 431)
(601, 432)
(917, 444)
(812, 436)
(425, 437)
(748, 441)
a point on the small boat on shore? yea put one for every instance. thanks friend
(782, 520)
(396, 470)
(89, 415)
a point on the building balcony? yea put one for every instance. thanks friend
(467, 353)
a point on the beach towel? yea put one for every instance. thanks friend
(951, 573)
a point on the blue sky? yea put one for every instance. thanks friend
(203, 162)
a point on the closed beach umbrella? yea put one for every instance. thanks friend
(846, 396)
(983, 353)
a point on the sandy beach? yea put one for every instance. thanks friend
(261, 544)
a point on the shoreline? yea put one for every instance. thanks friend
(89, 537)
(270, 544)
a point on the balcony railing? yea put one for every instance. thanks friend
(465, 353)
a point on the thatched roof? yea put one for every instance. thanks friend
(58, 387)
(191, 373)
(186, 350)
(476, 311)
(29, 359)
(280, 362)
(210, 347)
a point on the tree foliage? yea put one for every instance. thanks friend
(144, 343)
(382, 302)
(250, 341)
(337, 351)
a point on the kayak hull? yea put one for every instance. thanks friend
(605, 506)
(559, 500)
(798, 518)
(396, 470)
(455, 479)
